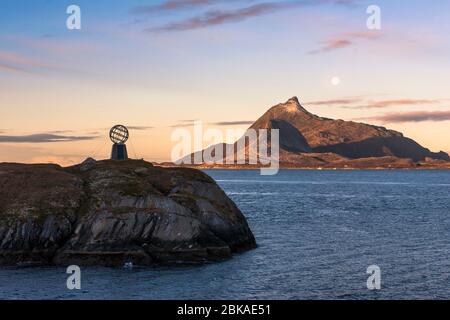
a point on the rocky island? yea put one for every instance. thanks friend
(308, 141)
(115, 212)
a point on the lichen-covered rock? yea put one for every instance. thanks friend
(110, 213)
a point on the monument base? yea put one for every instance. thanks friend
(119, 152)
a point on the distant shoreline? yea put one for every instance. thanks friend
(237, 168)
(419, 167)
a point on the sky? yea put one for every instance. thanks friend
(159, 65)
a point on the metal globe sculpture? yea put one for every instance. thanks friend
(119, 135)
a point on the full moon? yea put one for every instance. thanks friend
(335, 81)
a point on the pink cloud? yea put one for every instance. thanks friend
(16, 62)
(345, 40)
(359, 103)
(218, 17)
(21, 63)
(173, 5)
(7, 68)
(16, 58)
(400, 102)
(333, 102)
(414, 116)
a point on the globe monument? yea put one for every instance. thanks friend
(119, 135)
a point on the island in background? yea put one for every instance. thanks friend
(308, 141)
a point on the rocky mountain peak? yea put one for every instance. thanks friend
(303, 132)
(292, 106)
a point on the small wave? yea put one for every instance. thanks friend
(352, 230)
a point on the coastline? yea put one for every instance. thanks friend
(298, 168)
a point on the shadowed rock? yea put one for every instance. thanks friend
(109, 213)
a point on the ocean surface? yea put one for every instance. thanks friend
(317, 231)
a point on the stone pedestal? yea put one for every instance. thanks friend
(119, 152)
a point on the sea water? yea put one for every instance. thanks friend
(317, 233)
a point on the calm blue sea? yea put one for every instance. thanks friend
(317, 231)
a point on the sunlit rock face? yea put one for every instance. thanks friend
(310, 141)
(110, 213)
(352, 140)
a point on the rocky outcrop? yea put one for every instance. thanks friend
(114, 212)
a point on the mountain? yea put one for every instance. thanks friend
(346, 138)
(308, 140)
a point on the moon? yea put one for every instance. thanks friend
(335, 81)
